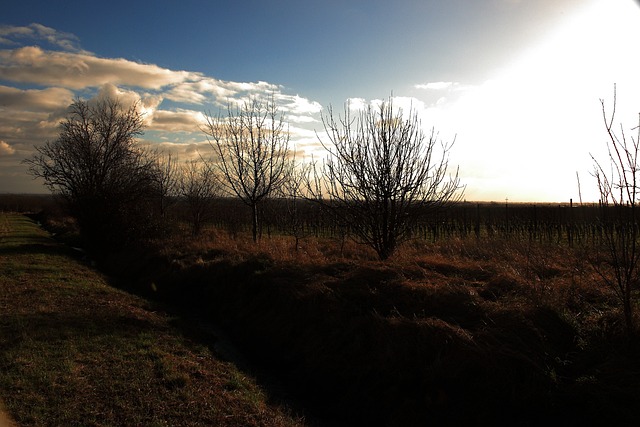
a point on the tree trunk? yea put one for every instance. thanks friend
(254, 225)
(628, 311)
(388, 249)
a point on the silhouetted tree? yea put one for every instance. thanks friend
(381, 174)
(198, 187)
(618, 181)
(293, 192)
(166, 181)
(252, 147)
(105, 177)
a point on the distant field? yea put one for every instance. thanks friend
(75, 351)
(567, 223)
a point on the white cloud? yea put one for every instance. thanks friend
(301, 119)
(177, 121)
(6, 149)
(435, 85)
(39, 83)
(80, 70)
(187, 92)
(35, 99)
(198, 89)
(76, 71)
(401, 104)
(263, 87)
(444, 86)
(295, 104)
(33, 65)
(356, 104)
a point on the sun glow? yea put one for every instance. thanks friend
(541, 116)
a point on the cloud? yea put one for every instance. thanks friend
(146, 104)
(196, 150)
(30, 116)
(400, 103)
(249, 88)
(35, 99)
(200, 89)
(301, 119)
(34, 65)
(177, 121)
(435, 85)
(6, 149)
(40, 80)
(294, 104)
(441, 86)
(356, 104)
(25, 128)
(13, 35)
(83, 70)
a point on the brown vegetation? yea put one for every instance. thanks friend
(493, 313)
(74, 351)
(464, 330)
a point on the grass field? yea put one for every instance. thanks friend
(74, 351)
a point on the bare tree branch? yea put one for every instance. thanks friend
(619, 218)
(382, 174)
(252, 146)
(106, 178)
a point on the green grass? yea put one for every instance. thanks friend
(76, 351)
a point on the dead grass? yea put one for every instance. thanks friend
(310, 250)
(487, 331)
(76, 351)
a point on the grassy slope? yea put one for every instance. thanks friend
(75, 351)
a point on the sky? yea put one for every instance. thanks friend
(517, 84)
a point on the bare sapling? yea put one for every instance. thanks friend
(617, 181)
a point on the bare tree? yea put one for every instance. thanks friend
(198, 187)
(293, 193)
(97, 166)
(382, 173)
(252, 147)
(166, 181)
(618, 181)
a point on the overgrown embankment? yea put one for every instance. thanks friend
(434, 340)
(75, 351)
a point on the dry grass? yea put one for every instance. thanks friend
(551, 275)
(486, 331)
(280, 248)
(76, 351)
(491, 331)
